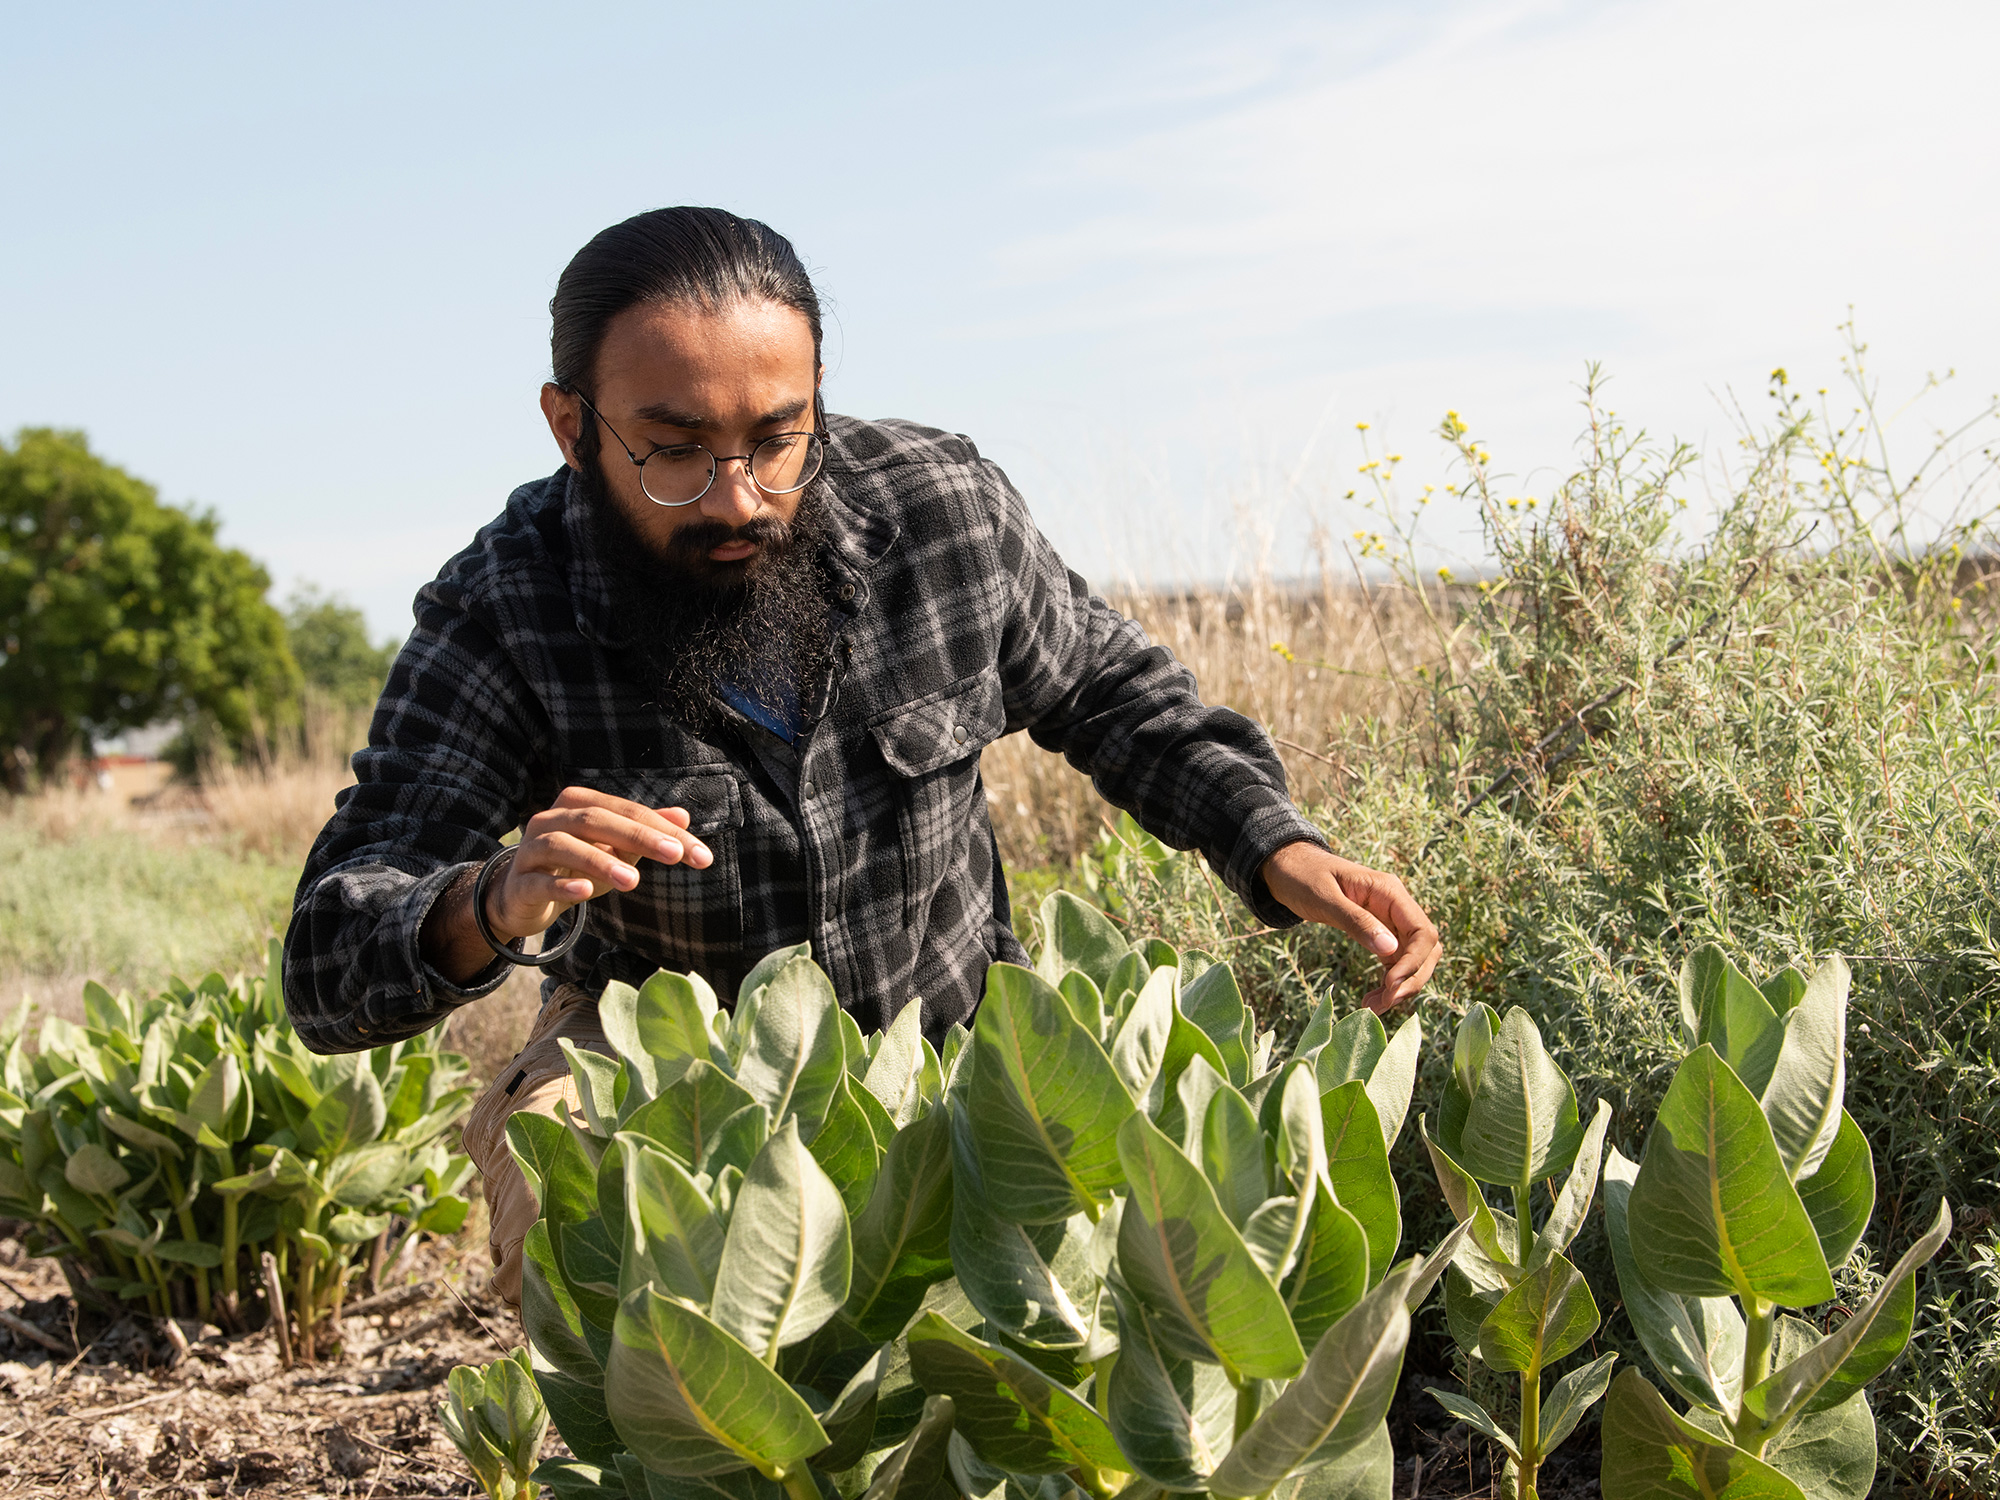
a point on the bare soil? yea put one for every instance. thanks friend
(117, 1409)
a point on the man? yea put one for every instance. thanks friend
(730, 670)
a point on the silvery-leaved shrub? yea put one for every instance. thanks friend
(1183, 1258)
(163, 1145)
(750, 1210)
(1513, 1300)
(1755, 1185)
(495, 1415)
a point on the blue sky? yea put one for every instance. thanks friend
(294, 262)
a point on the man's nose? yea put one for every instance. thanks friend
(734, 497)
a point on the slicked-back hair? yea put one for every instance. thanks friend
(702, 257)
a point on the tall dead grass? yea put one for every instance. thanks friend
(1319, 664)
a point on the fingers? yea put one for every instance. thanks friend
(626, 828)
(1373, 907)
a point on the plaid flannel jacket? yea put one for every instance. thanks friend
(955, 623)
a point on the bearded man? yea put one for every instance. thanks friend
(729, 670)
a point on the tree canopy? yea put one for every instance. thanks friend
(117, 611)
(329, 640)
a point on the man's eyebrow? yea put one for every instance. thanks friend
(672, 416)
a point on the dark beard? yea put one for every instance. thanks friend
(692, 625)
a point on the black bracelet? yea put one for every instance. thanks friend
(548, 955)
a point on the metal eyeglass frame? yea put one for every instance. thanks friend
(716, 460)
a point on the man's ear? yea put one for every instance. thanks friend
(564, 413)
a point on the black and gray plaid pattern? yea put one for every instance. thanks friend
(955, 623)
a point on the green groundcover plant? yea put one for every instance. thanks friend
(1176, 1260)
(165, 1144)
(1755, 1183)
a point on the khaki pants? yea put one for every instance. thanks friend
(537, 1079)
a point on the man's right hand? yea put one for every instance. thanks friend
(588, 843)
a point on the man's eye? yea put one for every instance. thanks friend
(682, 453)
(784, 443)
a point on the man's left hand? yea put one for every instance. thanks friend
(1372, 907)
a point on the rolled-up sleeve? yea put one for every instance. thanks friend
(446, 773)
(1084, 680)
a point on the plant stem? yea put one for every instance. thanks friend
(1531, 1434)
(1524, 1221)
(229, 1208)
(1249, 1396)
(1760, 1321)
(799, 1484)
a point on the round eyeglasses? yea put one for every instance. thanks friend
(681, 473)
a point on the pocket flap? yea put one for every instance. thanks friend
(916, 738)
(711, 796)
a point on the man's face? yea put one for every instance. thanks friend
(671, 374)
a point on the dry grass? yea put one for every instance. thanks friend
(1348, 650)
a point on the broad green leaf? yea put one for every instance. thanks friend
(1357, 1168)
(198, 1253)
(902, 1236)
(1076, 935)
(1523, 1124)
(1232, 1156)
(348, 1114)
(689, 1399)
(1573, 1202)
(1714, 1202)
(1351, 1052)
(794, 1055)
(1185, 1043)
(596, 1078)
(1466, 1309)
(737, 1140)
(1365, 1472)
(1468, 1204)
(1127, 979)
(558, 1333)
(1213, 1003)
(1318, 1031)
(573, 1479)
(345, 1228)
(1784, 990)
(670, 1235)
(358, 1178)
(849, 1145)
(218, 1096)
(1139, 1049)
(1828, 1454)
(1013, 1415)
(763, 972)
(1470, 1044)
(1427, 1268)
(999, 1267)
(1652, 1454)
(1334, 1406)
(1172, 1417)
(1788, 1390)
(1840, 1195)
(850, 1420)
(1547, 1314)
(659, 1028)
(1195, 1091)
(1394, 1078)
(1740, 1023)
(92, 1169)
(787, 1258)
(1809, 1074)
(1046, 1101)
(687, 1116)
(1085, 1003)
(1190, 1269)
(1696, 1343)
(1702, 980)
(1569, 1398)
(566, 1186)
(1475, 1416)
(917, 1469)
(896, 1074)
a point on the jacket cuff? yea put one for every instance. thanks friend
(390, 1017)
(1263, 833)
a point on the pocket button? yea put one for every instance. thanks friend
(958, 733)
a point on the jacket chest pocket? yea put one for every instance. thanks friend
(932, 749)
(678, 916)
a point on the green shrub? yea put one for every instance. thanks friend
(1779, 736)
(179, 1137)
